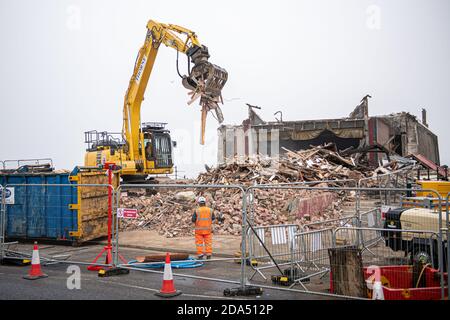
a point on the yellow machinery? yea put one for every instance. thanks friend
(420, 212)
(144, 149)
(442, 187)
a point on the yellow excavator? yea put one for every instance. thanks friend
(145, 149)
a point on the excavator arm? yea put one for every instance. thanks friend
(205, 80)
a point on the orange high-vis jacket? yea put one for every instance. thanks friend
(203, 223)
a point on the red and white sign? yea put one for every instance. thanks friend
(127, 213)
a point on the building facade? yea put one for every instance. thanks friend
(378, 136)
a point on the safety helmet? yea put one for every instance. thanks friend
(201, 200)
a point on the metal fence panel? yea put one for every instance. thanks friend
(406, 262)
(369, 234)
(66, 213)
(447, 236)
(2, 222)
(198, 188)
(270, 246)
(309, 253)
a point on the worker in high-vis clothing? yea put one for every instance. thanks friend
(203, 218)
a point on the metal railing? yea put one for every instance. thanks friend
(309, 255)
(19, 162)
(402, 256)
(347, 220)
(116, 241)
(49, 203)
(2, 222)
(359, 238)
(447, 230)
(271, 242)
(305, 250)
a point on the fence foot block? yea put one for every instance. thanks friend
(112, 272)
(246, 291)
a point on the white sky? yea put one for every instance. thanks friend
(65, 67)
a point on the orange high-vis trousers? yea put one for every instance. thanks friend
(203, 243)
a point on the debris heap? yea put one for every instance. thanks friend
(170, 211)
(316, 164)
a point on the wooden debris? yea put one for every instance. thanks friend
(170, 211)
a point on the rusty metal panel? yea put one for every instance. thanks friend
(383, 132)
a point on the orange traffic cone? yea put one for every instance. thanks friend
(168, 288)
(35, 271)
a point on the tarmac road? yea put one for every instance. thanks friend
(135, 286)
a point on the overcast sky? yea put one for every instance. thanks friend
(65, 67)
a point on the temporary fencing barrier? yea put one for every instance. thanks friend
(372, 220)
(2, 222)
(286, 245)
(447, 230)
(17, 163)
(369, 219)
(423, 202)
(309, 255)
(282, 240)
(73, 213)
(363, 236)
(331, 223)
(264, 240)
(199, 188)
(399, 179)
(270, 245)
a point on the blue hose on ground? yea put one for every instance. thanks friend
(187, 264)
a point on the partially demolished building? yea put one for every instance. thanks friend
(374, 138)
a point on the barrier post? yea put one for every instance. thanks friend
(2, 222)
(116, 229)
(440, 247)
(447, 228)
(244, 240)
(108, 249)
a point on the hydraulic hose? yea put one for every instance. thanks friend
(187, 264)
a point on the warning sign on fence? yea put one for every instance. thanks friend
(9, 195)
(124, 213)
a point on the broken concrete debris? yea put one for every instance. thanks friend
(169, 211)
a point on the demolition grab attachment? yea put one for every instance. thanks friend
(205, 81)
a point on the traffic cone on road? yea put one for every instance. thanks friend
(35, 271)
(168, 288)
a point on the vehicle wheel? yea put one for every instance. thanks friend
(421, 256)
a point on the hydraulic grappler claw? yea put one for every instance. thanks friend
(205, 81)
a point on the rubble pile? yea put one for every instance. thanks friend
(169, 212)
(315, 164)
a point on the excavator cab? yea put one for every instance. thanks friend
(158, 145)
